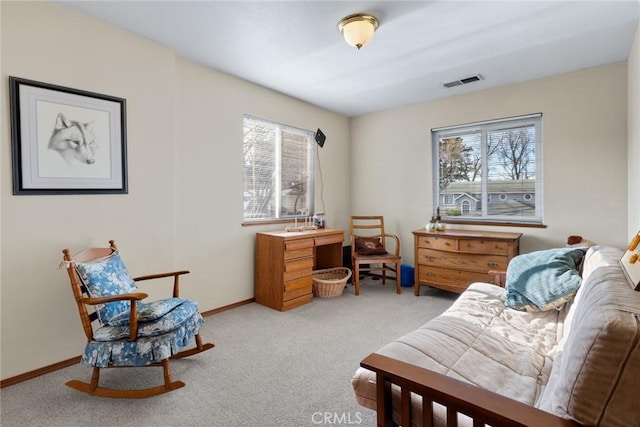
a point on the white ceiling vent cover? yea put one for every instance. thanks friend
(465, 81)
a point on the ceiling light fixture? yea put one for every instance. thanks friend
(358, 29)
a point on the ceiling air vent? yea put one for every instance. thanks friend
(464, 81)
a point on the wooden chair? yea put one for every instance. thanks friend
(369, 250)
(123, 331)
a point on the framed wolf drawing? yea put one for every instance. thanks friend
(66, 141)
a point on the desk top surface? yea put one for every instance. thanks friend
(305, 233)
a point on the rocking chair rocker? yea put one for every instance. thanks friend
(128, 334)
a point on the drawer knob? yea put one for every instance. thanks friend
(492, 264)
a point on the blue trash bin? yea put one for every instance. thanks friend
(406, 275)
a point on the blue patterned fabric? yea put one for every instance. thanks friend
(147, 311)
(167, 323)
(144, 351)
(543, 280)
(106, 277)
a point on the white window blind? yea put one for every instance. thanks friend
(277, 170)
(491, 170)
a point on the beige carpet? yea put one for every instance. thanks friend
(268, 368)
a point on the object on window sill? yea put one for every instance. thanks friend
(306, 226)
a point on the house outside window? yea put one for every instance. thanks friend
(491, 170)
(277, 171)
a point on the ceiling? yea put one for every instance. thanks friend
(294, 47)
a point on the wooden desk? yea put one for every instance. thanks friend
(453, 259)
(285, 262)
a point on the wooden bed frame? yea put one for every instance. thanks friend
(483, 406)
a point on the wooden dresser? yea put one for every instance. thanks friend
(285, 262)
(453, 259)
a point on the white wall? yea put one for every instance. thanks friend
(634, 137)
(208, 181)
(183, 209)
(584, 149)
(184, 206)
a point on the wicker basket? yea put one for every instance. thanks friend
(330, 282)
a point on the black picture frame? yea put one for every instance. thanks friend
(66, 141)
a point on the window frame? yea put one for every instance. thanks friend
(484, 128)
(311, 146)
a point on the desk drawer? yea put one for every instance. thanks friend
(438, 243)
(298, 253)
(303, 282)
(296, 293)
(297, 274)
(327, 240)
(291, 245)
(301, 264)
(297, 301)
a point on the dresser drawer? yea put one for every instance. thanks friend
(467, 262)
(291, 245)
(298, 253)
(484, 247)
(450, 279)
(438, 243)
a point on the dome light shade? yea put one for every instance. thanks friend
(358, 29)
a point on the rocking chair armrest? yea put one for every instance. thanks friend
(397, 241)
(161, 275)
(122, 297)
(176, 279)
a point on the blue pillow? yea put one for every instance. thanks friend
(543, 280)
(105, 277)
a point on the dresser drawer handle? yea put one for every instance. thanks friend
(492, 264)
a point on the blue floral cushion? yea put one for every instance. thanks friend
(167, 323)
(143, 351)
(106, 277)
(543, 280)
(147, 311)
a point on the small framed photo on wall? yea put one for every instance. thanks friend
(630, 262)
(66, 141)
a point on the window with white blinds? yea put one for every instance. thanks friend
(489, 171)
(277, 170)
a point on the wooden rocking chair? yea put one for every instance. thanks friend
(123, 331)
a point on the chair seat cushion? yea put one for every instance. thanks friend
(147, 311)
(144, 351)
(170, 321)
(369, 246)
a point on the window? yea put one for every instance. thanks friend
(277, 169)
(497, 161)
(447, 199)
